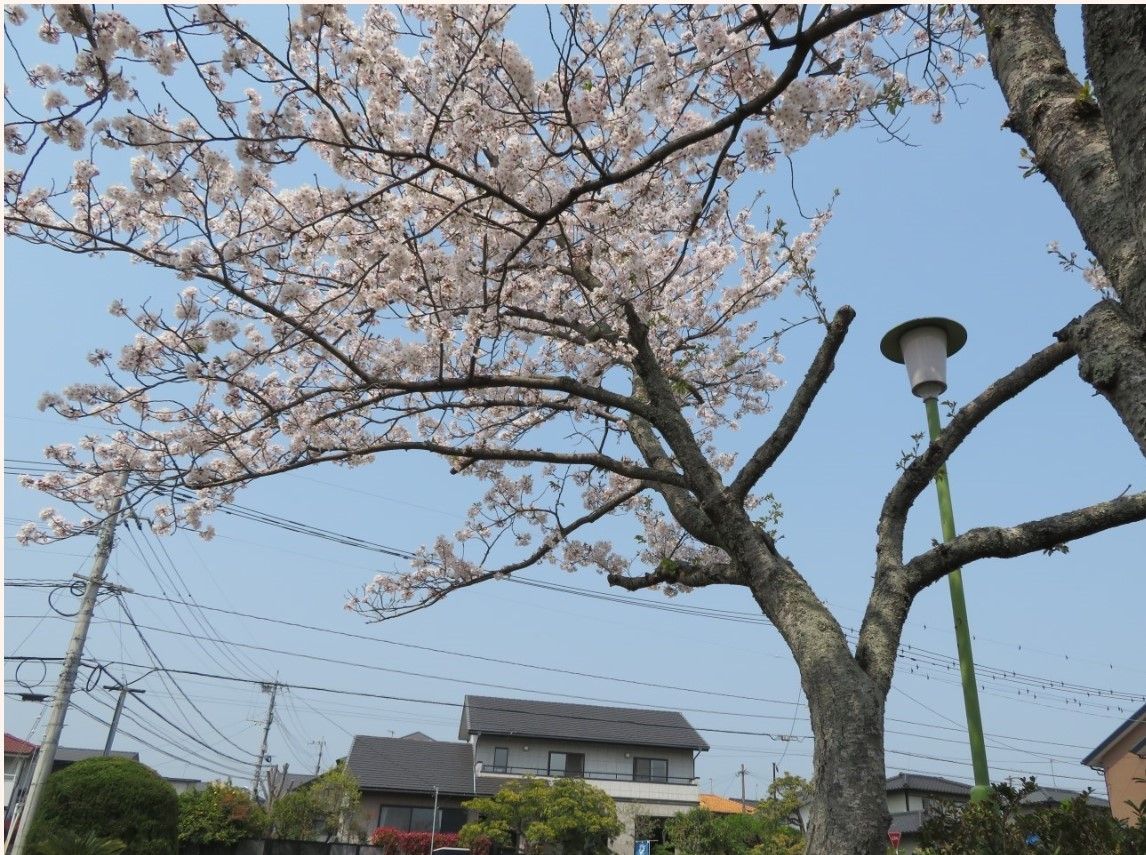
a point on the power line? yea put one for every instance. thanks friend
(251, 514)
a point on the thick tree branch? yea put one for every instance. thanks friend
(818, 373)
(681, 503)
(685, 573)
(467, 453)
(1009, 542)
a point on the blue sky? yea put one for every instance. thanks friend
(946, 227)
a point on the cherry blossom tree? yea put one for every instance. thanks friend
(399, 236)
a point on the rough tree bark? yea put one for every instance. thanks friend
(1094, 154)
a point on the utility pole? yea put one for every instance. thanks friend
(46, 756)
(123, 692)
(273, 688)
(318, 763)
(743, 773)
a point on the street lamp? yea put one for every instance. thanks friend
(923, 346)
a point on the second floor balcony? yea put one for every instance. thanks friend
(646, 776)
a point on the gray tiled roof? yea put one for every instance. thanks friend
(907, 823)
(412, 765)
(577, 723)
(926, 784)
(1056, 795)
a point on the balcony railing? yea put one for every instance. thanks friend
(490, 769)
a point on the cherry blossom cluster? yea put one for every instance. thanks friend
(401, 236)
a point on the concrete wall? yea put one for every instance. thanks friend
(614, 761)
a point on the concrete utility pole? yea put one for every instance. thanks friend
(123, 692)
(273, 688)
(47, 753)
(743, 773)
(318, 763)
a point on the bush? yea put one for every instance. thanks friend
(64, 842)
(1006, 824)
(219, 814)
(111, 798)
(394, 842)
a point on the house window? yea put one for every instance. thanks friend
(565, 765)
(500, 760)
(406, 818)
(651, 769)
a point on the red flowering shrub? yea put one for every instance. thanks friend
(395, 842)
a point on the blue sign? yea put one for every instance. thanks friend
(642, 847)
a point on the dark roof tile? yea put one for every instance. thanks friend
(577, 723)
(926, 784)
(411, 765)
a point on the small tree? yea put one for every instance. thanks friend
(319, 808)
(569, 814)
(108, 798)
(219, 814)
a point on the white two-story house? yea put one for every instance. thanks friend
(645, 759)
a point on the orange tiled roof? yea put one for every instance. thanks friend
(16, 745)
(719, 804)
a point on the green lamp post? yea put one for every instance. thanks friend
(923, 346)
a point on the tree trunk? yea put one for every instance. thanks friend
(1091, 153)
(849, 813)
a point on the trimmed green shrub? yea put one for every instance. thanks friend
(219, 814)
(112, 798)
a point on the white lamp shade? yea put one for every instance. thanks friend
(925, 355)
(923, 345)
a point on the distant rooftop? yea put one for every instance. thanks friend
(74, 755)
(926, 784)
(720, 804)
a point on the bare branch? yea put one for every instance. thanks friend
(438, 588)
(818, 373)
(1012, 541)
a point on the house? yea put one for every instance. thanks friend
(910, 795)
(644, 759)
(1122, 759)
(398, 778)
